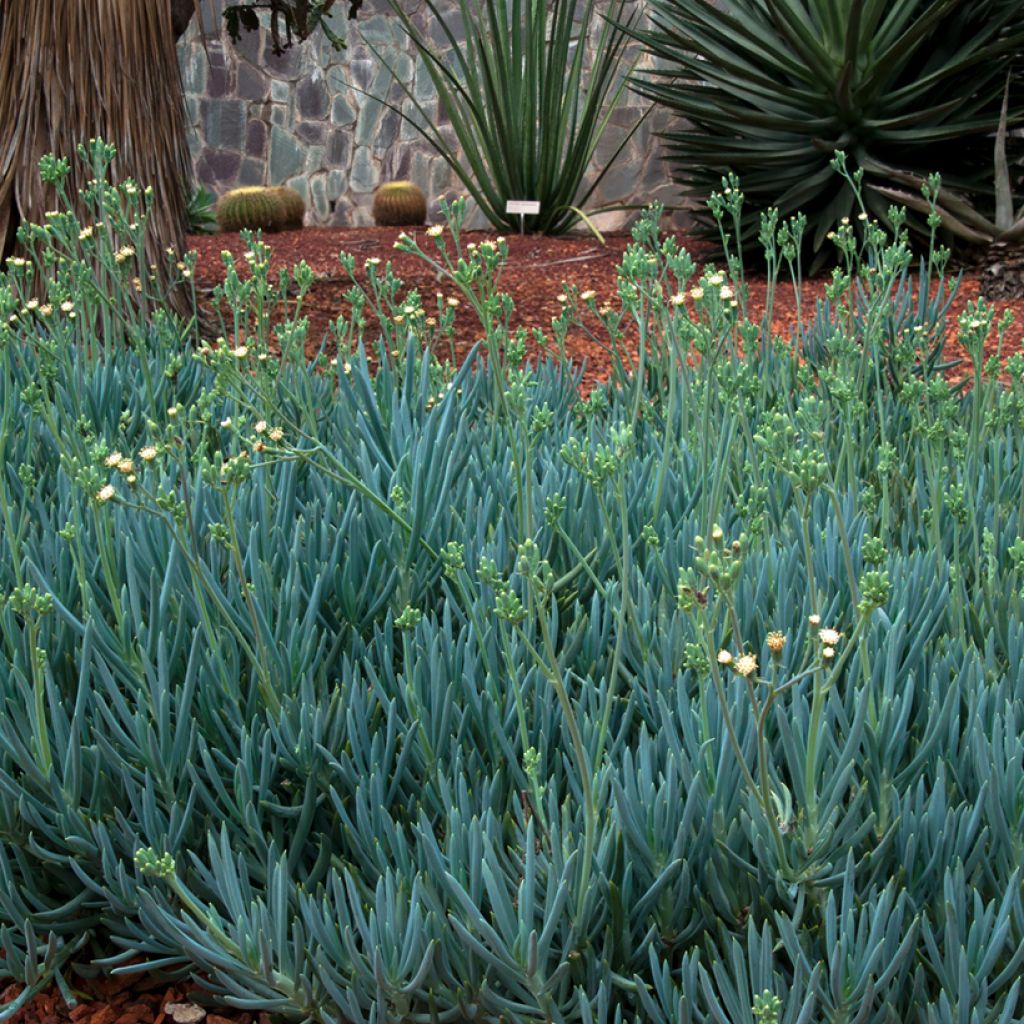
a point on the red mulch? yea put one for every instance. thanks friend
(124, 999)
(536, 272)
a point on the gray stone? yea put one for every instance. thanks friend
(344, 212)
(252, 84)
(369, 123)
(256, 139)
(404, 67)
(279, 115)
(313, 101)
(193, 72)
(318, 200)
(223, 123)
(220, 79)
(250, 47)
(286, 65)
(376, 29)
(301, 186)
(286, 156)
(217, 167)
(252, 172)
(424, 88)
(280, 92)
(314, 158)
(339, 149)
(311, 132)
(192, 112)
(337, 79)
(335, 184)
(388, 131)
(361, 73)
(364, 174)
(341, 113)
(443, 180)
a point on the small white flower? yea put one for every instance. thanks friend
(435, 230)
(105, 493)
(260, 427)
(726, 292)
(746, 665)
(113, 459)
(148, 454)
(697, 293)
(829, 637)
(724, 658)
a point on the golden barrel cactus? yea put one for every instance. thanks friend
(399, 203)
(256, 207)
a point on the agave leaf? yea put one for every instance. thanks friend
(949, 200)
(1004, 198)
(949, 221)
(1015, 233)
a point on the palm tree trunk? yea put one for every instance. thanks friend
(78, 69)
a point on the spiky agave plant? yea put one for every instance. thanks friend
(768, 89)
(1002, 233)
(527, 106)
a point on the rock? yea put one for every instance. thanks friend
(185, 1013)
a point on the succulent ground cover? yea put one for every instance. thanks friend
(447, 695)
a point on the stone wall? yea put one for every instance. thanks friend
(308, 119)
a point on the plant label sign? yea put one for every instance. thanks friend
(525, 208)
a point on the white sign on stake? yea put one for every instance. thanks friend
(525, 208)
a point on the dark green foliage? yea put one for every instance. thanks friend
(291, 21)
(768, 89)
(201, 219)
(304, 723)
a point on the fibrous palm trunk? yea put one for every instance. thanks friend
(72, 70)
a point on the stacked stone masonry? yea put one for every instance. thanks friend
(308, 118)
